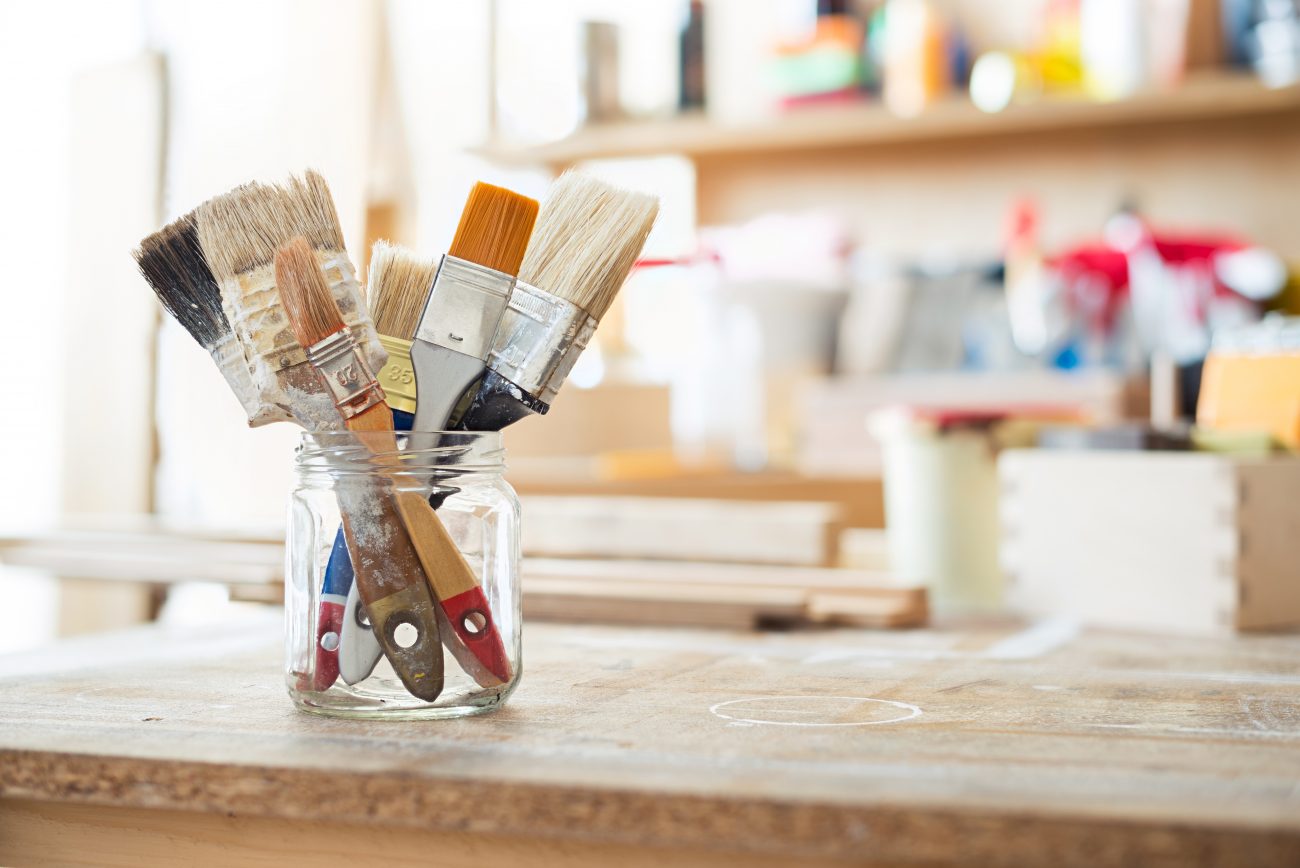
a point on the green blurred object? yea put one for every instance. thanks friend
(1243, 444)
(830, 61)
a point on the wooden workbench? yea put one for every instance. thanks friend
(646, 747)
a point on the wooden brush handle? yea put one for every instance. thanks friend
(454, 584)
(390, 582)
(389, 576)
(474, 639)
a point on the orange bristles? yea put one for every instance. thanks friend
(311, 310)
(494, 228)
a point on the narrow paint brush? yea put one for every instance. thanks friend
(173, 264)
(390, 577)
(467, 299)
(589, 235)
(331, 349)
(398, 285)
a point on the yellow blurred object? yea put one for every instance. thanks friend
(1243, 444)
(1251, 392)
(1057, 62)
(628, 464)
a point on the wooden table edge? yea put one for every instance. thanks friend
(796, 827)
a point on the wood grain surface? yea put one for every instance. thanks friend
(994, 745)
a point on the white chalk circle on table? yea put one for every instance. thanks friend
(814, 711)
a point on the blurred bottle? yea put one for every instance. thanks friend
(1275, 43)
(600, 84)
(691, 42)
(1113, 47)
(917, 60)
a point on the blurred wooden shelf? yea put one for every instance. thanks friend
(1205, 98)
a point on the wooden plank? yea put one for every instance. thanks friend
(859, 497)
(686, 529)
(715, 595)
(581, 602)
(972, 745)
(1206, 98)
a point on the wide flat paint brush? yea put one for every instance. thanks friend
(318, 326)
(467, 299)
(239, 232)
(589, 235)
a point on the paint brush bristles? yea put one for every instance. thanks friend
(173, 264)
(494, 228)
(589, 234)
(241, 230)
(398, 286)
(312, 312)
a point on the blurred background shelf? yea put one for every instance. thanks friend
(1203, 99)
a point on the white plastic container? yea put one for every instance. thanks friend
(941, 504)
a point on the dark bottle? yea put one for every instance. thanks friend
(691, 92)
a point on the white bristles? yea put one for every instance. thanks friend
(588, 236)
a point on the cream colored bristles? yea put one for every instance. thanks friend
(241, 230)
(589, 235)
(398, 286)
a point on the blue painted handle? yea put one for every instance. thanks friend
(338, 572)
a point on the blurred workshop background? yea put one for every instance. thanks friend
(898, 239)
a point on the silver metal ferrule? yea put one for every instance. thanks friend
(346, 373)
(464, 307)
(540, 338)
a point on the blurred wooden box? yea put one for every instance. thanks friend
(1176, 542)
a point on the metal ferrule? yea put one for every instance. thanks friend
(397, 376)
(464, 307)
(346, 373)
(540, 338)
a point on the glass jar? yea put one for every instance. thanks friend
(401, 576)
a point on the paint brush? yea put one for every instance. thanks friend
(239, 233)
(397, 285)
(389, 573)
(588, 237)
(318, 325)
(467, 299)
(172, 262)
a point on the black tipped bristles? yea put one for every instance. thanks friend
(172, 261)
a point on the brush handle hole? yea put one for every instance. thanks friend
(475, 622)
(405, 635)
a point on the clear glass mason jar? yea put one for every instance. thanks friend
(402, 575)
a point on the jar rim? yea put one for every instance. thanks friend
(467, 451)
